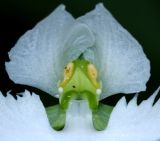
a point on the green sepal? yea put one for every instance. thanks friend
(100, 116)
(56, 116)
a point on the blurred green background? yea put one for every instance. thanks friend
(140, 17)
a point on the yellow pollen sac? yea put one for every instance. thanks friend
(92, 74)
(68, 71)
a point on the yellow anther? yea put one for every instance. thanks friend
(68, 71)
(92, 73)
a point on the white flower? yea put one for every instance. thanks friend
(25, 120)
(38, 59)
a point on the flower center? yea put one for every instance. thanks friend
(80, 82)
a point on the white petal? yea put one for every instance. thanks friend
(135, 123)
(24, 119)
(39, 57)
(119, 58)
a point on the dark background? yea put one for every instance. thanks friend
(140, 17)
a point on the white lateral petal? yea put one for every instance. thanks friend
(24, 119)
(121, 62)
(39, 57)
